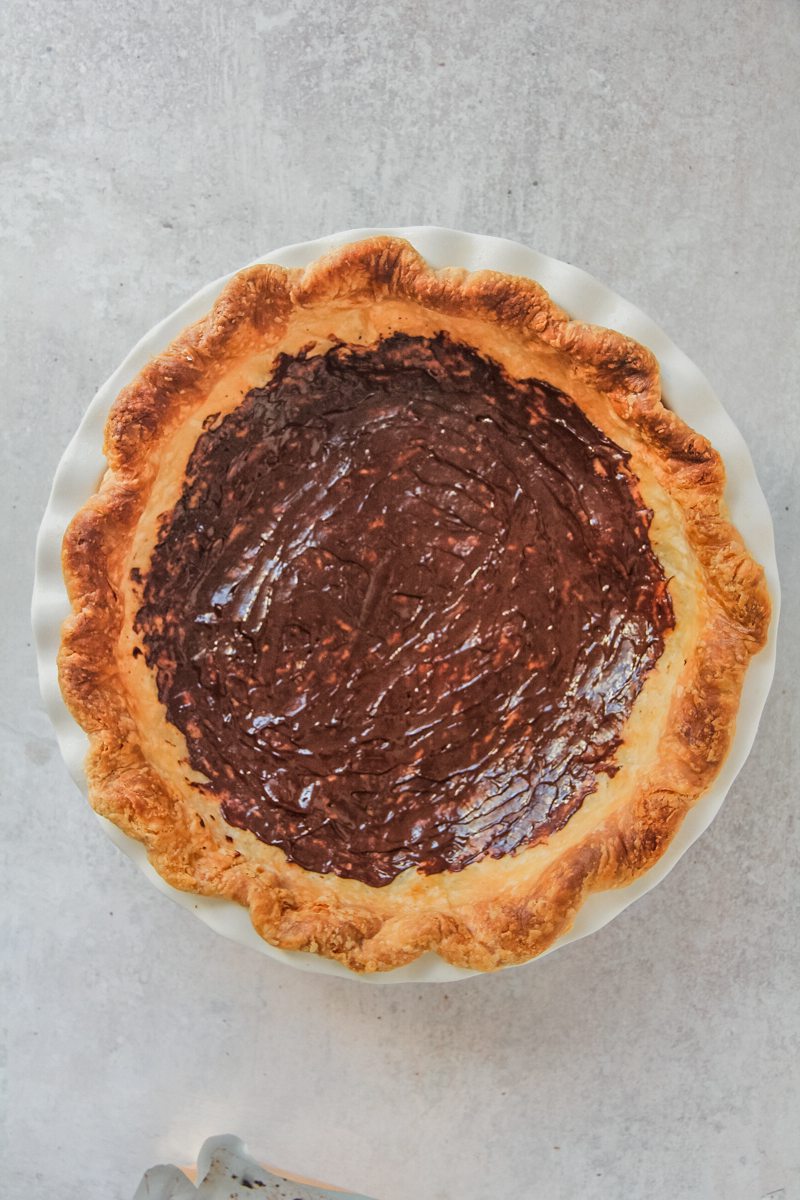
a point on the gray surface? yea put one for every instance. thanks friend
(149, 147)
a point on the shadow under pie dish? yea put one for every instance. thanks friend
(405, 614)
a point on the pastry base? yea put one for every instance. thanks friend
(495, 912)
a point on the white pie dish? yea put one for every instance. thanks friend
(685, 389)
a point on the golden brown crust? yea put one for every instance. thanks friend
(495, 912)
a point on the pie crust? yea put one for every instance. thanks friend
(495, 911)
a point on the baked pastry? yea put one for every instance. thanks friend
(406, 613)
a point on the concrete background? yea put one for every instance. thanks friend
(149, 147)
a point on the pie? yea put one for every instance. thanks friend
(406, 614)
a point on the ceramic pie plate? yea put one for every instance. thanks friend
(225, 1171)
(685, 389)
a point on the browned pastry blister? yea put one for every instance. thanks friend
(406, 613)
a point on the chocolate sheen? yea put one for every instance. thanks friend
(403, 608)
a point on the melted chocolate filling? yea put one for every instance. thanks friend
(403, 608)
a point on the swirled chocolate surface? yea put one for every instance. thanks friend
(402, 608)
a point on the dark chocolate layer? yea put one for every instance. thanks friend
(403, 608)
